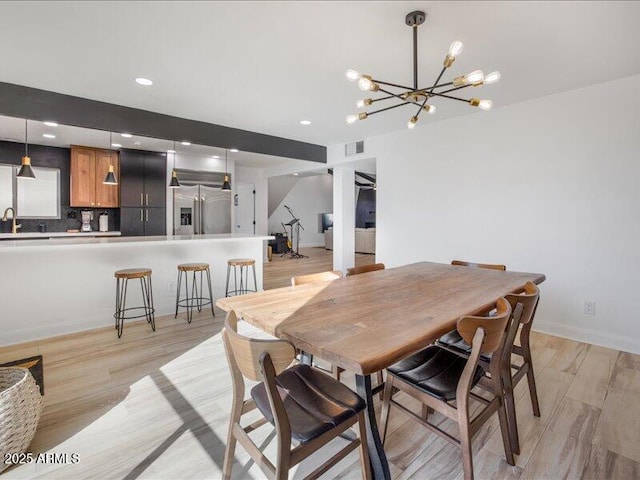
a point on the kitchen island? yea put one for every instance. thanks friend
(64, 285)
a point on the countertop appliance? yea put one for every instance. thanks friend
(104, 222)
(87, 216)
(199, 205)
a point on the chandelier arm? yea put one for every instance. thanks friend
(428, 95)
(435, 84)
(391, 84)
(456, 88)
(449, 97)
(399, 97)
(387, 108)
(373, 100)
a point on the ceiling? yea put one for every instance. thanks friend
(12, 130)
(264, 66)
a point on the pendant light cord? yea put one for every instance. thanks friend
(174, 155)
(26, 139)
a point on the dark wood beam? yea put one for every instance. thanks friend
(40, 105)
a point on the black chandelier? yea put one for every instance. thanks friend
(419, 96)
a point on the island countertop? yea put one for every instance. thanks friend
(66, 285)
(112, 241)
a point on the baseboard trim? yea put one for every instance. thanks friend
(617, 342)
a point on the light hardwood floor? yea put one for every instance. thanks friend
(156, 405)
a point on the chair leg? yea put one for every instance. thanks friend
(504, 429)
(425, 412)
(510, 407)
(178, 292)
(386, 404)
(365, 465)
(336, 371)
(380, 382)
(465, 447)
(533, 392)
(236, 412)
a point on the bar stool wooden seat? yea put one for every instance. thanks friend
(243, 264)
(196, 296)
(122, 281)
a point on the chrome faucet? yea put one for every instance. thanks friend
(14, 227)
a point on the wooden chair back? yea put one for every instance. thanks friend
(490, 266)
(316, 277)
(246, 351)
(365, 269)
(529, 300)
(494, 327)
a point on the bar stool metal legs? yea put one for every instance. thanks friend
(148, 310)
(243, 264)
(194, 297)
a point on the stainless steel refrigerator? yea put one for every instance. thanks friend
(199, 206)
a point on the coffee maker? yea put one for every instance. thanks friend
(87, 216)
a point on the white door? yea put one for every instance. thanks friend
(244, 208)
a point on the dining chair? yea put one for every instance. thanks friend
(364, 269)
(442, 380)
(316, 277)
(307, 407)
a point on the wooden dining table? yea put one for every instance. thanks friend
(365, 323)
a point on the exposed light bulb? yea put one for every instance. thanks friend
(352, 75)
(412, 123)
(455, 48)
(365, 84)
(485, 105)
(493, 77)
(351, 119)
(360, 104)
(474, 77)
(364, 103)
(431, 109)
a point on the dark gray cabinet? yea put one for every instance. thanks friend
(143, 187)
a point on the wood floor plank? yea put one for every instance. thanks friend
(592, 380)
(552, 386)
(569, 356)
(609, 465)
(619, 426)
(565, 447)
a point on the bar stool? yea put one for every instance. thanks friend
(122, 280)
(244, 264)
(196, 297)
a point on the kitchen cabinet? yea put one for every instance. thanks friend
(89, 167)
(143, 187)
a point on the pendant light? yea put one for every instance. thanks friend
(174, 183)
(25, 170)
(226, 186)
(110, 179)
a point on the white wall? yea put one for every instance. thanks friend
(549, 185)
(308, 197)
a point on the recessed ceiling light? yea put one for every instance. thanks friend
(144, 81)
(171, 151)
(137, 143)
(305, 122)
(234, 150)
(126, 135)
(296, 174)
(48, 135)
(117, 145)
(215, 156)
(186, 144)
(51, 124)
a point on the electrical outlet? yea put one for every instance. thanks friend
(589, 308)
(170, 288)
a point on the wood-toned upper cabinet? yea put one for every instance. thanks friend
(107, 195)
(89, 167)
